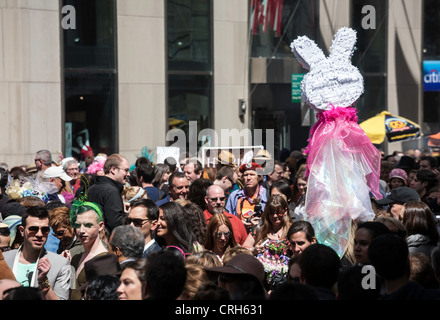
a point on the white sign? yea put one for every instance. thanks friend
(167, 152)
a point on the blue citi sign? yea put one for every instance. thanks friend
(431, 75)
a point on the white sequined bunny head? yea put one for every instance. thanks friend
(331, 81)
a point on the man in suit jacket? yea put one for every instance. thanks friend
(143, 215)
(32, 265)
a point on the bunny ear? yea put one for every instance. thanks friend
(306, 52)
(343, 45)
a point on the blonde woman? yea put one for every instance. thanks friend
(275, 222)
(129, 194)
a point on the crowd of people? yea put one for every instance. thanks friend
(100, 229)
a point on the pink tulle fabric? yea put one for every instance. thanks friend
(341, 124)
(343, 167)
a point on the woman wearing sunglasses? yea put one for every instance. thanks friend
(219, 235)
(69, 245)
(275, 222)
(269, 243)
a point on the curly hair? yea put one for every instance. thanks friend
(59, 217)
(197, 221)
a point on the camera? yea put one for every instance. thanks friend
(258, 210)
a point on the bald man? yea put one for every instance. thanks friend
(215, 203)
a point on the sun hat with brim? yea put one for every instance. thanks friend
(31, 168)
(13, 222)
(242, 264)
(263, 155)
(56, 172)
(226, 158)
(106, 264)
(400, 195)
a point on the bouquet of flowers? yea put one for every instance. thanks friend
(275, 260)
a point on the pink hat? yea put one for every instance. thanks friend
(398, 173)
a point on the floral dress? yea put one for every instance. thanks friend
(275, 259)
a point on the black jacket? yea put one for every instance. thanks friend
(107, 193)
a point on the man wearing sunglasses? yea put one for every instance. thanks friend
(143, 215)
(32, 265)
(215, 204)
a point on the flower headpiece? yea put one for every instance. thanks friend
(30, 187)
(97, 164)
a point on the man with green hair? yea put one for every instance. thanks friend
(87, 220)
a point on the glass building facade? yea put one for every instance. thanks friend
(90, 68)
(273, 27)
(431, 53)
(90, 78)
(370, 57)
(190, 64)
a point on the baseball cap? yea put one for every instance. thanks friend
(56, 172)
(401, 194)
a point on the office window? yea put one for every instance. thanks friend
(90, 79)
(291, 19)
(190, 67)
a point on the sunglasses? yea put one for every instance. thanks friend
(220, 234)
(4, 249)
(217, 199)
(35, 229)
(59, 233)
(279, 214)
(136, 221)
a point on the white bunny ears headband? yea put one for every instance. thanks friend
(331, 81)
